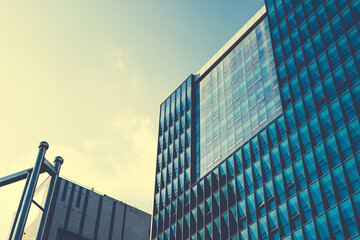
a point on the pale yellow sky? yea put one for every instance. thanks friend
(89, 76)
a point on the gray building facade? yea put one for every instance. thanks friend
(79, 213)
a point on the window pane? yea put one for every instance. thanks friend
(327, 186)
(322, 227)
(353, 174)
(335, 223)
(343, 138)
(340, 182)
(349, 218)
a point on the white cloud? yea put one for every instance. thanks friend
(121, 163)
(121, 59)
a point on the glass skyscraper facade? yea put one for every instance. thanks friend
(264, 142)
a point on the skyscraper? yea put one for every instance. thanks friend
(263, 142)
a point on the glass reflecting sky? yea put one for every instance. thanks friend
(238, 98)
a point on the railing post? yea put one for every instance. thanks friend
(20, 204)
(58, 162)
(25, 208)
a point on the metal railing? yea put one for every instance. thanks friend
(27, 198)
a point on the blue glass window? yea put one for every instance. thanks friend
(356, 202)
(356, 93)
(330, 89)
(260, 206)
(332, 149)
(331, 8)
(305, 204)
(246, 154)
(321, 15)
(337, 115)
(276, 36)
(324, 66)
(280, 122)
(309, 231)
(327, 36)
(334, 57)
(289, 114)
(309, 9)
(289, 181)
(230, 167)
(255, 148)
(299, 13)
(355, 7)
(315, 76)
(335, 222)
(348, 20)
(285, 92)
(295, 39)
(337, 28)
(273, 224)
(294, 211)
(340, 78)
(272, 134)
(300, 60)
(321, 159)
(309, 104)
(326, 123)
(300, 113)
(354, 39)
(351, 72)
(354, 129)
(280, 11)
(353, 175)
(309, 52)
(283, 214)
(287, 48)
(284, 30)
(341, 4)
(233, 220)
(276, 160)
(269, 194)
(317, 41)
(348, 215)
(316, 197)
(300, 174)
(242, 214)
(344, 48)
(327, 186)
(257, 173)
(304, 80)
(343, 138)
(279, 55)
(240, 186)
(310, 166)
(285, 153)
(305, 138)
(263, 141)
(238, 160)
(253, 231)
(340, 182)
(263, 228)
(348, 106)
(251, 207)
(249, 180)
(295, 145)
(222, 176)
(290, 64)
(279, 184)
(322, 227)
(267, 167)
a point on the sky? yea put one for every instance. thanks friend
(89, 76)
